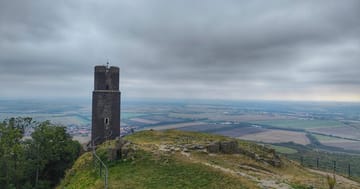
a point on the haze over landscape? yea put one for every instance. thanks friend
(260, 50)
(214, 94)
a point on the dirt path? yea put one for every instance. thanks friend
(263, 179)
(262, 183)
(339, 179)
(269, 182)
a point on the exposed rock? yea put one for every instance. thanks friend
(256, 157)
(113, 154)
(226, 147)
(186, 150)
(213, 147)
(229, 147)
(196, 147)
(276, 162)
(119, 143)
(121, 150)
(127, 153)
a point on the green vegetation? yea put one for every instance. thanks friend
(284, 150)
(300, 124)
(173, 136)
(37, 162)
(154, 165)
(324, 137)
(151, 170)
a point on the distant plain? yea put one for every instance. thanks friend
(332, 124)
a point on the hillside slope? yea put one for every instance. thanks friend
(176, 159)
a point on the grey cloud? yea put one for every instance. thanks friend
(268, 48)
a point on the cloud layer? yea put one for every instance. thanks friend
(288, 50)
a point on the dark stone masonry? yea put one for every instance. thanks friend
(105, 104)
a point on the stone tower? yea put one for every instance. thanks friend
(105, 104)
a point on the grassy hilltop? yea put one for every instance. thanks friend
(177, 159)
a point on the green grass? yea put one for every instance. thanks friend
(152, 169)
(300, 124)
(173, 136)
(82, 175)
(165, 172)
(284, 150)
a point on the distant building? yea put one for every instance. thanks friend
(105, 104)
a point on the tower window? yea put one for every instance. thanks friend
(106, 121)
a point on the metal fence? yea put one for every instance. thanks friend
(332, 166)
(100, 166)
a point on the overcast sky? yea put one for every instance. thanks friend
(279, 50)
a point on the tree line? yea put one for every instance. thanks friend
(38, 161)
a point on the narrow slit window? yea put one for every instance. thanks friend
(107, 121)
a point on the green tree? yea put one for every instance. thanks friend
(39, 161)
(53, 152)
(12, 154)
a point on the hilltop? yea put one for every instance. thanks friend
(178, 159)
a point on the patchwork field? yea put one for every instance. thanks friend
(129, 115)
(338, 142)
(301, 124)
(176, 125)
(345, 144)
(146, 121)
(204, 128)
(277, 136)
(238, 132)
(284, 150)
(221, 116)
(346, 131)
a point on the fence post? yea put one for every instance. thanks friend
(302, 160)
(317, 162)
(349, 173)
(334, 166)
(100, 170)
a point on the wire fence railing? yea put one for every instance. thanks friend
(100, 166)
(332, 166)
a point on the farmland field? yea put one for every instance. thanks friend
(278, 136)
(338, 124)
(206, 127)
(221, 116)
(145, 121)
(346, 131)
(283, 149)
(300, 124)
(238, 132)
(129, 115)
(345, 144)
(176, 125)
(338, 142)
(324, 138)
